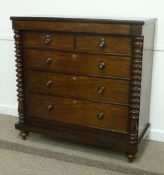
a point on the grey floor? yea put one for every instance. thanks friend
(43, 155)
(17, 163)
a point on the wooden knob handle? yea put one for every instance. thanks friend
(102, 43)
(49, 83)
(100, 116)
(48, 60)
(101, 66)
(101, 89)
(47, 39)
(50, 108)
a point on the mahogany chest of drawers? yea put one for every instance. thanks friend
(85, 80)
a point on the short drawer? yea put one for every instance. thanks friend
(52, 40)
(79, 112)
(114, 66)
(78, 86)
(100, 43)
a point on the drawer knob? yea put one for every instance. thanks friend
(101, 66)
(48, 60)
(100, 116)
(101, 89)
(49, 83)
(102, 43)
(47, 40)
(50, 108)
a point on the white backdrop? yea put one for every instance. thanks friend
(90, 8)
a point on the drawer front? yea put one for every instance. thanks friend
(77, 26)
(48, 40)
(93, 43)
(115, 66)
(78, 112)
(78, 86)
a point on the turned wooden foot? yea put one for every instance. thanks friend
(130, 157)
(24, 134)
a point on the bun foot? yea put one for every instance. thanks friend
(24, 134)
(130, 157)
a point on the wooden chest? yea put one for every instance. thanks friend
(85, 80)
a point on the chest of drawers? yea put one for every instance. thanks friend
(85, 80)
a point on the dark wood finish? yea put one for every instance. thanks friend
(85, 80)
(20, 78)
(130, 157)
(23, 134)
(48, 40)
(120, 26)
(78, 86)
(101, 65)
(108, 20)
(135, 88)
(91, 43)
(72, 27)
(82, 112)
(87, 135)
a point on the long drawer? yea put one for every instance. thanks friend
(78, 86)
(115, 66)
(51, 40)
(80, 112)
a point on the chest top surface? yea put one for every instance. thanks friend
(104, 19)
(104, 25)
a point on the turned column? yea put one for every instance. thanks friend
(20, 87)
(135, 88)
